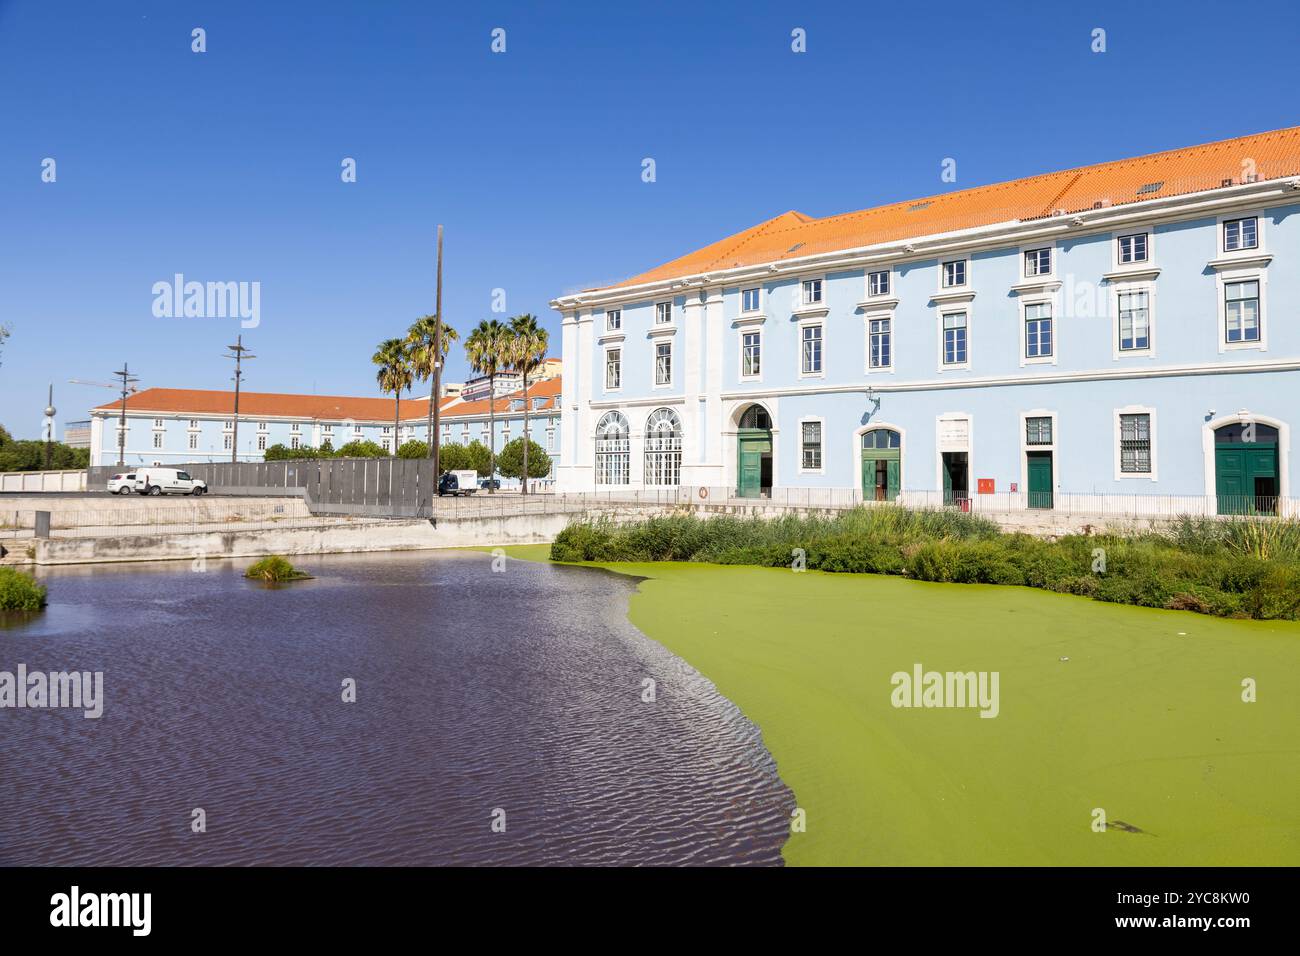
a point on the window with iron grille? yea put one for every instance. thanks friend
(1038, 431)
(811, 445)
(1135, 444)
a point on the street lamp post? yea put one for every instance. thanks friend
(128, 380)
(237, 353)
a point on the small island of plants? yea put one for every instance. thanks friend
(275, 569)
(20, 592)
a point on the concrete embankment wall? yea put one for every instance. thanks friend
(393, 535)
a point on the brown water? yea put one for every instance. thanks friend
(476, 690)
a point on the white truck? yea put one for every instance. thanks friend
(460, 482)
(168, 481)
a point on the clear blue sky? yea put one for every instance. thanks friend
(225, 165)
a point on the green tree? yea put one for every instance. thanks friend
(516, 456)
(488, 351)
(454, 457)
(420, 339)
(413, 448)
(394, 374)
(362, 449)
(29, 455)
(480, 458)
(528, 345)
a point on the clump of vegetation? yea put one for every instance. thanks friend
(1230, 568)
(275, 568)
(20, 592)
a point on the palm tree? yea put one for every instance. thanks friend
(487, 349)
(394, 374)
(420, 344)
(528, 344)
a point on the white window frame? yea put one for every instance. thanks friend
(605, 375)
(1115, 450)
(613, 324)
(1254, 250)
(867, 319)
(1025, 303)
(821, 372)
(964, 308)
(1025, 252)
(966, 276)
(758, 308)
(659, 311)
(1118, 265)
(1226, 277)
(821, 423)
(227, 441)
(194, 441)
(158, 440)
(654, 363)
(261, 443)
(888, 273)
(194, 424)
(1124, 288)
(740, 364)
(804, 284)
(158, 423)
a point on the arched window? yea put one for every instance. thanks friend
(1244, 433)
(756, 416)
(663, 448)
(612, 451)
(880, 438)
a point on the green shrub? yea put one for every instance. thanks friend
(20, 592)
(275, 568)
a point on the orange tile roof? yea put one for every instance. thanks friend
(793, 235)
(311, 407)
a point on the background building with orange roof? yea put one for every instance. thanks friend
(170, 426)
(1123, 328)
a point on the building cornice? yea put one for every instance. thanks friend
(920, 248)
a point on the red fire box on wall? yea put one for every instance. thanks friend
(986, 486)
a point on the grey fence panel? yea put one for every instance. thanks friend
(384, 483)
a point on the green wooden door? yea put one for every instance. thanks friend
(1040, 479)
(881, 475)
(749, 465)
(1241, 473)
(891, 479)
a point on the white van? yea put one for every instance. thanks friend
(458, 483)
(168, 481)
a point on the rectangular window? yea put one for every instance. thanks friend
(1038, 262)
(261, 443)
(229, 423)
(751, 355)
(749, 300)
(157, 423)
(329, 430)
(261, 426)
(954, 338)
(663, 313)
(226, 442)
(295, 427)
(881, 343)
(878, 283)
(386, 429)
(1133, 248)
(811, 446)
(157, 439)
(1241, 311)
(194, 423)
(613, 368)
(1038, 431)
(550, 439)
(194, 442)
(1038, 330)
(811, 358)
(954, 273)
(663, 363)
(1240, 234)
(1135, 444)
(1134, 321)
(613, 319)
(812, 291)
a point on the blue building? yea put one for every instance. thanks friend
(1125, 329)
(169, 426)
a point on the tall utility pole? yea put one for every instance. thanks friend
(436, 397)
(237, 353)
(128, 381)
(49, 428)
